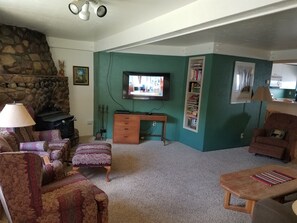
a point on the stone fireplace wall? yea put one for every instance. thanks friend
(28, 73)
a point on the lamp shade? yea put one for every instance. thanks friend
(262, 94)
(15, 115)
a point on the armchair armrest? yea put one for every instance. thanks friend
(269, 210)
(34, 146)
(75, 198)
(48, 135)
(292, 147)
(258, 132)
(52, 171)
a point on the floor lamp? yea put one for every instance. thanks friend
(15, 115)
(262, 94)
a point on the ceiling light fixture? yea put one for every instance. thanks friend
(81, 8)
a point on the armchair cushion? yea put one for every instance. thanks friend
(272, 141)
(34, 146)
(277, 133)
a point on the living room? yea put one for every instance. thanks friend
(107, 60)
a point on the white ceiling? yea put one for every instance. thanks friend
(276, 31)
(53, 17)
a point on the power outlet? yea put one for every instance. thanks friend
(242, 135)
(154, 123)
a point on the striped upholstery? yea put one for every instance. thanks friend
(71, 199)
(92, 155)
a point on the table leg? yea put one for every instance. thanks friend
(164, 132)
(108, 169)
(247, 208)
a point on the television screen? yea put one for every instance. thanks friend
(145, 86)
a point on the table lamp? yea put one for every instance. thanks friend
(15, 115)
(262, 94)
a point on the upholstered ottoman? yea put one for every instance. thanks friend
(93, 155)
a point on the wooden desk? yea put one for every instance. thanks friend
(126, 127)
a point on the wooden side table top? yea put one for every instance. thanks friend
(244, 186)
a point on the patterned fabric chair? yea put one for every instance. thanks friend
(57, 147)
(51, 137)
(9, 142)
(70, 199)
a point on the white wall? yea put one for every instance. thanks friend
(81, 97)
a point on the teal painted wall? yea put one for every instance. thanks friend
(220, 123)
(108, 70)
(193, 139)
(225, 122)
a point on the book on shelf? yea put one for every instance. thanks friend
(194, 87)
(195, 102)
(192, 100)
(192, 123)
(196, 74)
(193, 97)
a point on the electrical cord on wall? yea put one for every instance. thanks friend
(156, 109)
(108, 81)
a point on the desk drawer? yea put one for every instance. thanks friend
(126, 138)
(126, 129)
(125, 118)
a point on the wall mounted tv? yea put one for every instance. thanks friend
(146, 86)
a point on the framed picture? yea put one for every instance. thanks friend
(243, 80)
(80, 75)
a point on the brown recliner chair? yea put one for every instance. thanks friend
(278, 137)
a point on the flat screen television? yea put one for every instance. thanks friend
(146, 86)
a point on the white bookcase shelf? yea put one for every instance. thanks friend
(193, 93)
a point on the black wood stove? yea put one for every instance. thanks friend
(56, 120)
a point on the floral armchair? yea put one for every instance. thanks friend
(47, 142)
(9, 142)
(52, 137)
(59, 199)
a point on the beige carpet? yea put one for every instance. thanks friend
(152, 183)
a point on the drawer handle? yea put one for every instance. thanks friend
(126, 129)
(126, 123)
(125, 136)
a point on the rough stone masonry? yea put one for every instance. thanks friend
(28, 73)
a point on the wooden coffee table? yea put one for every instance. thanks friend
(242, 185)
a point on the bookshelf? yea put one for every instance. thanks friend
(193, 93)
